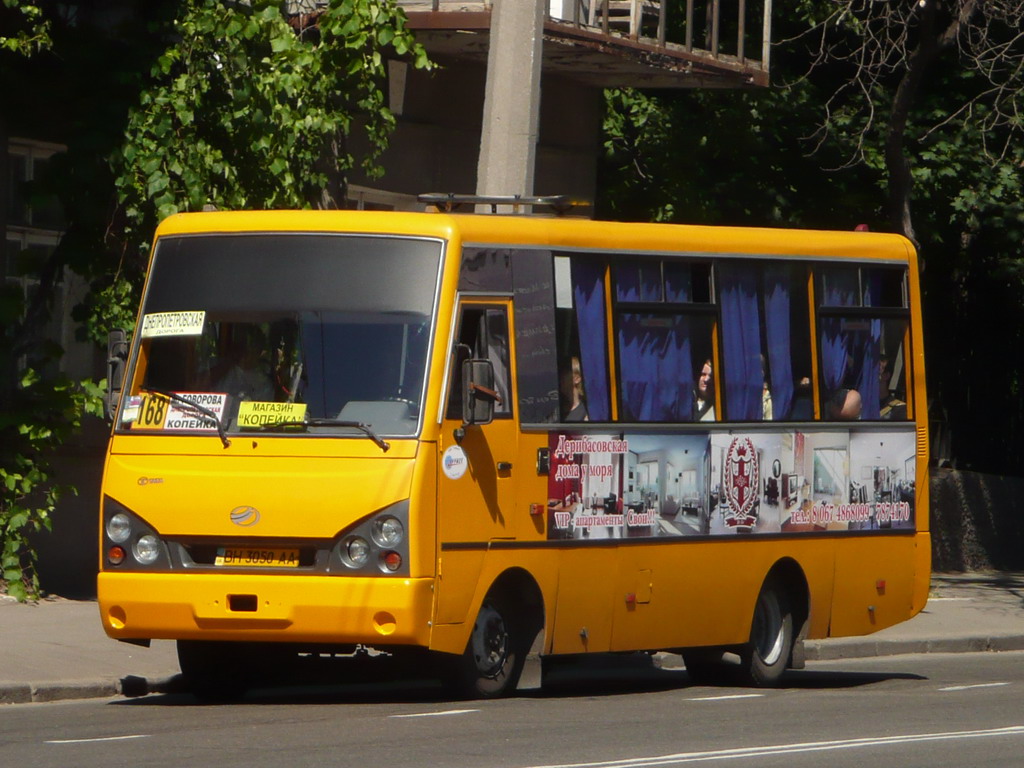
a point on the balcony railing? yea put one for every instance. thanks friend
(720, 30)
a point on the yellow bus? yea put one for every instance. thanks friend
(457, 435)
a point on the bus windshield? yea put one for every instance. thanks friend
(285, 333)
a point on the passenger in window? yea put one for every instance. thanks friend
(766, 395)
(890, 406)
(845, 405)
(704, 395)
(572, 393)
(244, 371)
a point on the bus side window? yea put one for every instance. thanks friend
(483, 335)
(863, 326)
(664, 316)
(766, 341)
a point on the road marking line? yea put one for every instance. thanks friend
(437, 714)
(950, 599)
(968, 687)
(104, 738)
(725, 698)
(786, 749)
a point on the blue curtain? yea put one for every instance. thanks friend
(588, 295)
(867, 379)
(840, 290)
(655, 360)
(741, 345)
(776, 310)
(851, 350)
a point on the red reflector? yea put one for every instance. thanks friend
(392, 561)
(115, 555)
(537, 509)
(880, 586)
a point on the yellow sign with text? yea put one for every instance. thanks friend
(255, 414)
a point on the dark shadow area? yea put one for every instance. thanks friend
(588, 677)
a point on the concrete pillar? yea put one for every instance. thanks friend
(508, 142)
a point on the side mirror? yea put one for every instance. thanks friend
(478, 392)
(117, 356)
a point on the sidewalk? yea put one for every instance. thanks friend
(57, 649)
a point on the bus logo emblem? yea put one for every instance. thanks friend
(245, 516)
(741, 483)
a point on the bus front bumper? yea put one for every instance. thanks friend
(259, 608)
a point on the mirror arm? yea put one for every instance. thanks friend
(485, 391)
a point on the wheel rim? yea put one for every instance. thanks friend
(768, 635)
(490, 642)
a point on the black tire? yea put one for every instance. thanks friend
(214, 671)
(493, 660)
(765, 657)
(705, 666)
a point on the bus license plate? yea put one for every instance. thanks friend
(257, 558)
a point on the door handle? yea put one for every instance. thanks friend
(504, 466)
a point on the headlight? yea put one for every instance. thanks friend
(355, 551)
(119, 528)
(146, 549)
(387, 532)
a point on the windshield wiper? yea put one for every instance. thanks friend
(194, 408)
(382, 444)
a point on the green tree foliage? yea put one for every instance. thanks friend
(31, 29)
(167, 106)
(249, 107)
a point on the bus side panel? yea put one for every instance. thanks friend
(583, 606)
(458, 573)
(681, 595)
(876, 582)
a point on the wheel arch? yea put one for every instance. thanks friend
(520, 589)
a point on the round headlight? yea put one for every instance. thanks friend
(146, 549)
(355, 552)
(388, 532)
(119, 528)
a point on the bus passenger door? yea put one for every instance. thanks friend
(476, 488)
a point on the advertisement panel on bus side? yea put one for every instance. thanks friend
(638, 485)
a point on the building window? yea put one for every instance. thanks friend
(28, 205)
(33, 230)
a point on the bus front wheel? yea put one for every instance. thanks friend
(493, 660)
(765, 657)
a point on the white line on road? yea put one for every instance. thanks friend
(968, 687)
(726, 698)
(104, 738)
(437, 714)
(788, 749)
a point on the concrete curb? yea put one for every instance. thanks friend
(828, 650)
(38, 693)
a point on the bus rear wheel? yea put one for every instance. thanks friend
(493, 660)
(765, 657)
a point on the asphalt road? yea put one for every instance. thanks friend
(926, 710)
